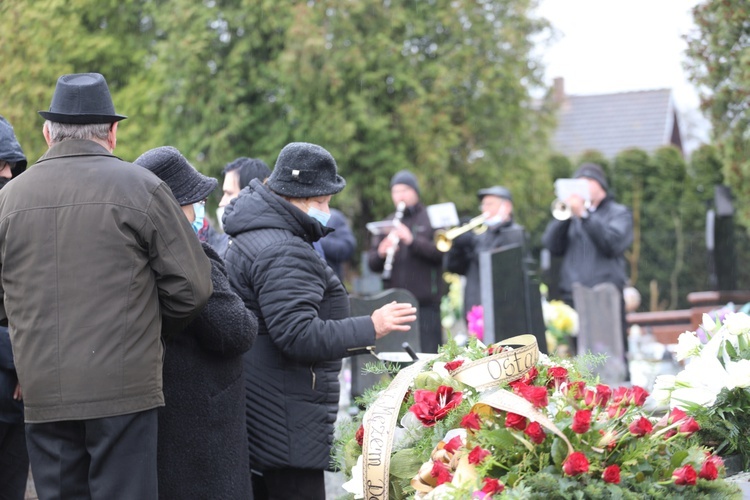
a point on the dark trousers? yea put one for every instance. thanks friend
(102, 458)
(14, 462)
(289, 484)
(430, 327)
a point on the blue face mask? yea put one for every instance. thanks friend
(200, 214)
(318, 215)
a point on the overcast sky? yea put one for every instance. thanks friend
(606, 46)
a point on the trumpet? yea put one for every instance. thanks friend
(444, 239)
(561, 211)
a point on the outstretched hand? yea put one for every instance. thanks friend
(393, 317)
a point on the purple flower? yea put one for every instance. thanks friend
(475, 322)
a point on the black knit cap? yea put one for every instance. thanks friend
(249, 169)
(187, 184)
(499, 191)
(305, 170)
(593, 171)
(405, 177)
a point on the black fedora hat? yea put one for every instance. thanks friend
(82, 98)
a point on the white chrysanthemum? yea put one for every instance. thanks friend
(663, 387)
(708, 323)
(739, 372)
(737, 323)
(683, 398)
(688, 345)
(355, 484)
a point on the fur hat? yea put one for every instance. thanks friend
(593, 171)
(499, 191)
(248, 169)
(305, 170)
(405, 177)
(81, 99)
(187, 184)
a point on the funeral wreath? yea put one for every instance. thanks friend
(504, 421)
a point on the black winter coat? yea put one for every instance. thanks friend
(463, 257)
(417, 267)
(304, 330)
(201, 445)
(592, 248)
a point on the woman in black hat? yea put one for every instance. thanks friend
(201, 445)
(304, 328)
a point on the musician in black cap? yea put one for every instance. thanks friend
(410, 253)
(593, 240)
(96, 255)
(496, 205)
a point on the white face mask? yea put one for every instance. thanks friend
(220, 217)
(495, 220)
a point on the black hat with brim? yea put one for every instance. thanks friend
(82, 99)
(499, 191)
(187, 184)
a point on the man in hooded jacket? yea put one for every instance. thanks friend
(14, 459)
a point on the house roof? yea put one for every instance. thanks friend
(610, 123)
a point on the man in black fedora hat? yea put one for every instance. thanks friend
(96, 253)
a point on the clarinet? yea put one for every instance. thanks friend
(388, 266)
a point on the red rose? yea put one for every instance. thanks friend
(685, 475)
(530, 375)
(709, 470)
(441, 472)
(603, 394)
(637, 395)
(615, 411)
(689, 426)
(581, 421)
(471, 421)
(454, 444)
(515, 421)
(454, 365)
(492, 486)
(641, 427)
(589, 397)
(535, 395)
(619, 394)
(611, 474)
(477, 455)
(535, 432)
(558, 374)
(576, 464)
(676, 415)
(360, 435)
(429, 407)
(575, 389)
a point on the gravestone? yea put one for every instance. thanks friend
(600, 328)
(511, 301)
(364, 306)
(720, 241)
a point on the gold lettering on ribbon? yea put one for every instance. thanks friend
(502, 367)
(379, 423)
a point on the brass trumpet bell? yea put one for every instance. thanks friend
(560, 210)
(444, 239)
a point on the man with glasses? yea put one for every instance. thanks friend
(496, 204)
